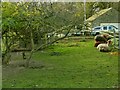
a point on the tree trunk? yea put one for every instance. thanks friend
(32, 49)
(6, 55)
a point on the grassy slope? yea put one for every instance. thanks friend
(78, 66)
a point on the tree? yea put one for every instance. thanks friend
(21, 21)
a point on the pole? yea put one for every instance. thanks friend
(119, 37)
(119, 40)
(114, 39)
(84, 16)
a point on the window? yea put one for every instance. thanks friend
(105, 28)
(97, 28)
(110, 28)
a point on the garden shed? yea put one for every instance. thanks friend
(107, 16)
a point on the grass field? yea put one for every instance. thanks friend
(70, 64)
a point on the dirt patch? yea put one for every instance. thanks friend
(21, 63)
(55, 54)
(73, 45)
(18, 66)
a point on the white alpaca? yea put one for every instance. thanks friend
(104, 47)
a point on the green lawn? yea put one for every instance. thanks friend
(70, 64)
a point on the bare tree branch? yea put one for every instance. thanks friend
(46, 45)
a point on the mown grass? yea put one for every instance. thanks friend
(70, 64)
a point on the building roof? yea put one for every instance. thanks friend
(93, 17)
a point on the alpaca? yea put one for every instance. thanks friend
(104, 47)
